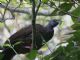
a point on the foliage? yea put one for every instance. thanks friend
(71, 51)
(32, 55)
(62, 7)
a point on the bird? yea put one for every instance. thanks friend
(22, 39)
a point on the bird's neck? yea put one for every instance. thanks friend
(49, 27)
(49, 33)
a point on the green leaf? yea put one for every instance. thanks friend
(76, 26)
(45, 1)
(76, 12)
(17, 43)
(6, 45)
(32, 54)
(65, 6)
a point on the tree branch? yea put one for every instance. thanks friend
(34, 15)
(33, 25)
(38, 7)
(26, 10)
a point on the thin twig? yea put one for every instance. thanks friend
(76, 2)
(4, 17)
(18, 6)
(5, 10)
(38, 7)
(12, 47)
(44, 41)
(7, 27)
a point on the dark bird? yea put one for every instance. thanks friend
(22, 39)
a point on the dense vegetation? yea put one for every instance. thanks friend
(46, 8)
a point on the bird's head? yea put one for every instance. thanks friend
(53, 23)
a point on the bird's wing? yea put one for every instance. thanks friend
(22, 32)
(25, 32)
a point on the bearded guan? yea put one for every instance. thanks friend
(22, 39)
